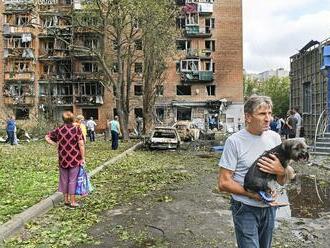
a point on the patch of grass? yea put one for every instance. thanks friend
(29, 172)
(135, 177)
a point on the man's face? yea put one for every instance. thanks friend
(259, 120)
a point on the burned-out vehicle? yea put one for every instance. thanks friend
(164, 138)
(187, 130)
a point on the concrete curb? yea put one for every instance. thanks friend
(12, 226)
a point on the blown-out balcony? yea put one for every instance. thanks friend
(195, 31)
(19, 100)
(197, 76)
(89, 100)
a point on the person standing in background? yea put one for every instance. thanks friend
(11, 128)
(115, 132)
(91, 129)
(299, 121)
(81, 123)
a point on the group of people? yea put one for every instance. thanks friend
(70, 139)
(290, 126)
(254, 220)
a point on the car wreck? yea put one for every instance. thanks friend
(164, 138)
(187, 130)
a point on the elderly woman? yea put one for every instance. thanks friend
(71, 154)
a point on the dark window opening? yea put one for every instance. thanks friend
(177, 66)
(115, 67)
(115, 112)
(159, 90)
(213, 67)
(210, 23)
(160, 114)
(210, 45)
(90, 67)
(22, 113)
(183, 90)
(183, 114)
(138, 112)
(180, 22)
(183, 44)
(138, 90)
(138, 67)
(138, 44)
(88, 113)
(210, 90)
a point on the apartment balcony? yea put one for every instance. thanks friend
(205, 8)
(193, 53)
(87, 76)
(16, 6)
(24, 76)
(11, 29)
(18, 52)
(89, 100)
(19, 100)
(195, 31)
(58, 100)
(197, 76)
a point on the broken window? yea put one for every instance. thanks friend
(138, 67)
(22, 66)
(159, 90)
(192, 18)
(22, 113)
(22, 20)
(160, 113)
(91, 43)
(210, 90)
(183, 90)
(138, 112)
(90, 112)
(208, 66)
(183, 114)
(91, 88)
(183, 44)
(210, 23)
(189, 65)
(138, 44)
(210, 45)
(180, 22)
(89, 67)
(307, 97)
(138, 90)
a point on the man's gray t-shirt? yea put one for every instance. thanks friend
(240, 151)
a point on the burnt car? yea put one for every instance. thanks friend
(164, 138)
(187, 130)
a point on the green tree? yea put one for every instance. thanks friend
(276, 88)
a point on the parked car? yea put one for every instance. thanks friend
(187, 130)
(164, 138)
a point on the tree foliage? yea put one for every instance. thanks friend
(276, 88)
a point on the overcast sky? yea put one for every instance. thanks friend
(276, 29)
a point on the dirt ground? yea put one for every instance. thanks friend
(195, 214)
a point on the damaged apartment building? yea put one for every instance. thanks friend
(41, 74)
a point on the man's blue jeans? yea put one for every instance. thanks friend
(253, 225)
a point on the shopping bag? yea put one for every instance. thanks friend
(83, 186)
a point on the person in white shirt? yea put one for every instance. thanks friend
(299, 121)
(91, 129)
(253, 219)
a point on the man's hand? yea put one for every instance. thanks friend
(271, 165)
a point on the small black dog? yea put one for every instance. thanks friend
(292, 149)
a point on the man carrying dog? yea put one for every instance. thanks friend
(253, 219)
